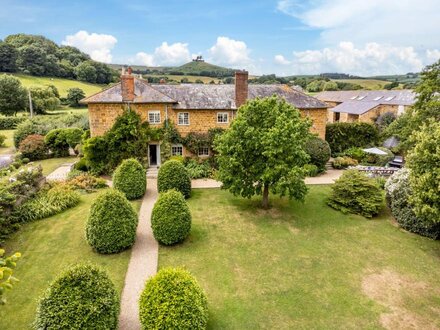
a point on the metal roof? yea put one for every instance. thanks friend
(392, 97)
(355, 107)
(200, 96)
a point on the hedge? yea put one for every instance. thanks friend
(173, 299)
(173, 175)
(171, 218)
(10, 122)
(319, 151)
(342, 136)
(398, 192)
(83, 297)
(111, 225)
(130, 178)
(355, 193)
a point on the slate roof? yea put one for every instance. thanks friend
(397, 97)
(200, 96)
(355, 107)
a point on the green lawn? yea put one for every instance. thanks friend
(7, 148)
(61, 84)
(306, 266)
(49, 246)
(49, 165)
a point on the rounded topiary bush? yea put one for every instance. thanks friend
(173, 299)
(33, 147)
(319, 151)
(173, 175)
(171, 218)
(130, 178)
(111, 225)
(83, 297)
(355, 193)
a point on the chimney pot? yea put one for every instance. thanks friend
(241, 87)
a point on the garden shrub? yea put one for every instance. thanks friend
(171, 218)
(81, 165)
(344, 162)
(43, 124)
(178, 158)
(130, 178)
(173, 299)
(319, 152)
(2, 139)
(47, 202)
(173, 175)
(83, 297)
(355, 193)
(57, 143)
(86, 181)
(10, 122)
(111, 225)
(342, 136)
(398, 193)
(311, 170)
(355, 153)
(197, 169)
(33, 147)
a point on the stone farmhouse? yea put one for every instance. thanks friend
(190, 107)
(365, 106)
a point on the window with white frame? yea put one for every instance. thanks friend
(183, 118)
(222, 117)
(154, 117)
(204, 151)
(177, 150)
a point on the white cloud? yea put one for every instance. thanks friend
(230, 52)
(281, 60)
(397, 22)
(165, 54)
(98, 46)
(371, 59)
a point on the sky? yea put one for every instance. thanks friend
(285, 37)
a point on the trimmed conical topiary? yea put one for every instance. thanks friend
(130, 178)
(171, 218)
(173, 175)
(83, 297)
(112, 222)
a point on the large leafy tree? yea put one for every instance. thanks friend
(12, 95)
(427, 107)
(44, 98)
(264, 150)
(8, 58)
(74, 95)
(424, 162)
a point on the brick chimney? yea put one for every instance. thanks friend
(127, 84)
(241, 87)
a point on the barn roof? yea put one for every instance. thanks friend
(392, 97)
(354, 107)
(200, 96)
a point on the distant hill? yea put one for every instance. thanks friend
(193, 68)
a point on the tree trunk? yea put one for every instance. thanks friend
(266, 197)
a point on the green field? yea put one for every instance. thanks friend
(49, 246)
(306, 266)
(372, 84)
(206, 80)
(61, 84)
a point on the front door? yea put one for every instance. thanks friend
(153, 154)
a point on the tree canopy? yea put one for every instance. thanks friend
(39, 56)
(12, 95)
(427, 107)
(264, 150)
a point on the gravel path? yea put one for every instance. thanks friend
(327, 178)
(60, 173)
(143, 262)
